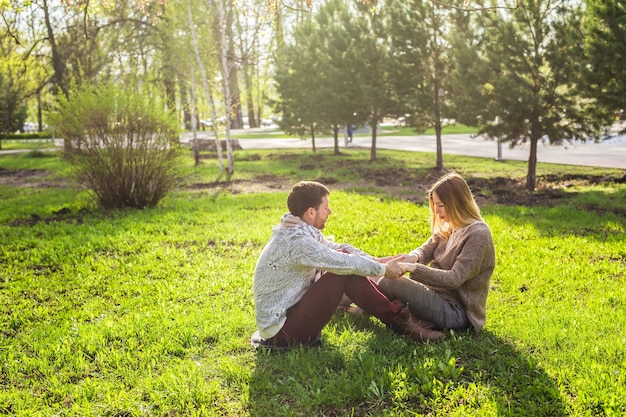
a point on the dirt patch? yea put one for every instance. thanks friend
(34, 178)
(260, 184)
(62, 215)
(398, 182)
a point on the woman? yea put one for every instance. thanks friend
(449, 274)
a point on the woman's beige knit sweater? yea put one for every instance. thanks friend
(459, 271)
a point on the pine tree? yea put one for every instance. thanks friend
(604, 76)
(421, 63)
(529, 61)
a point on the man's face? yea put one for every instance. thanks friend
(321, 214)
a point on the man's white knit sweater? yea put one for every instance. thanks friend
(297, 254)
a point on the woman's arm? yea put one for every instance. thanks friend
(425, 253)
(476, 250)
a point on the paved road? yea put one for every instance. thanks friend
(611, 154)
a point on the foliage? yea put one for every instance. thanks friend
(420, 59)
(554, 72)
(334, 74)
(301, 100)
(150, 312)
(122, 144)
(12, 108)
(26, 136)
(373, 78)
(529, 66)
(604, 78)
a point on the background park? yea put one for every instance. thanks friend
(127, 253)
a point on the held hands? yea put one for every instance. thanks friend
(408, 266)
(398, 265)
(394, 268)
(410, 259)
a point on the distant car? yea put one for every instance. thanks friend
(29, 127)
(209, 123)
(266, 122)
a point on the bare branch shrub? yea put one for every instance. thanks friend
(123, 145)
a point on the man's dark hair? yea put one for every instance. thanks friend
(305, 194)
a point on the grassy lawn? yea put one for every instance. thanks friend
(18, 144)
(269, 133)
(149, 313)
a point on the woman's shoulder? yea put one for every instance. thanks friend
(478, 228)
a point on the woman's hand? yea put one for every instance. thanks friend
(410, 259)
(394, 269)
(408, 266)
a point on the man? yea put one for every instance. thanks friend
(301, 276)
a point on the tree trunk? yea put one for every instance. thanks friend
(227, 70)
(374, 125)
(39, 111)
(252, 122)
(439, 147)
(336, 136)
(437, 116)
(234, 108)
(184, 101)
(206, 85)
(531, 176)
(313, 136)
(194, 120)
(57, 61)
(535, 135)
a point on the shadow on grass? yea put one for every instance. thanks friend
(477, 374)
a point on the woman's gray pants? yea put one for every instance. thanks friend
(424, 303)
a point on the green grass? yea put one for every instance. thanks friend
(275, 133)
(19, 144)
(409, 131)
(149, 313)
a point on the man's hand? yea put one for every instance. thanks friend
(400, 258)
(394, 269)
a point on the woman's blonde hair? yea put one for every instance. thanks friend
(457, 198)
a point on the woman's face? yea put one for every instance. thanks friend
(438, 206)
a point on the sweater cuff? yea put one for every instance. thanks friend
(383, 269)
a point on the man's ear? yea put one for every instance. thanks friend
(309, 213)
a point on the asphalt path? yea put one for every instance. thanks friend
(609, 154)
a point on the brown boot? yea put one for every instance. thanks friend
(412, 327)
(426, 324)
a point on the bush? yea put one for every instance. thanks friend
(123, 145)
(26, 136)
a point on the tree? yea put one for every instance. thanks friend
(604, 73)
(372, 76)
(299, 83)
(206, 84)
(527, 73)
(338, 64)
(420, 57)
(13, 70)
(12, 108)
